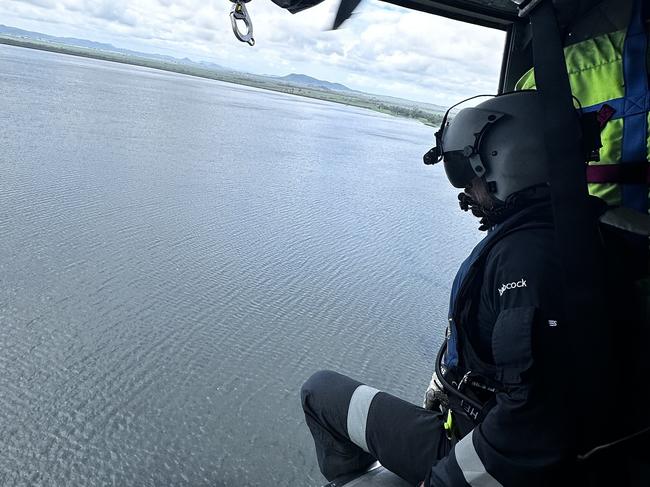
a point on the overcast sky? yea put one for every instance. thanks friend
(383, 49)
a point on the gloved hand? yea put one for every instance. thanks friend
(435, 398)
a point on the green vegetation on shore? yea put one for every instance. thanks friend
(353, 98)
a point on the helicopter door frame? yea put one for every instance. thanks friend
(517, 55)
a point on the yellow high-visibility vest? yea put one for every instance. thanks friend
(610, 71)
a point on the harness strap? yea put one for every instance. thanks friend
(576, 234)
(621, 108)
(635, 129)
(634, 173)
(451, 357)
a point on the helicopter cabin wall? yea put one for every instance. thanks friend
(517, 55)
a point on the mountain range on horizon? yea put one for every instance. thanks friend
(293, 78)
(303, 79)
(100, 46)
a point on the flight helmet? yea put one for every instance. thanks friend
(500, 140)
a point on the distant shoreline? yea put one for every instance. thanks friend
(352, 98)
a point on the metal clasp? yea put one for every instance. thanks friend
(464, 380)
(239, 12)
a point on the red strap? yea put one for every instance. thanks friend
(626, 173)
(605, 114)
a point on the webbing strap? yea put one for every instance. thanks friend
(635, 128)
(623, 109)
(575, 231)
(451, 357)
(630, 173)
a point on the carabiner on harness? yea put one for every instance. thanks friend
(239, 12)
(448, 425)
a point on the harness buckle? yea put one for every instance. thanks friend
(239, 12)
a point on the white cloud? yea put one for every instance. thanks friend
(382, 48)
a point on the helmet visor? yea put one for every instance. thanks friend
(461, 140)
(458, 168)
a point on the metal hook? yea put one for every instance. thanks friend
(239, 12)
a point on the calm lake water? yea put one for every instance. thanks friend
(180, 254)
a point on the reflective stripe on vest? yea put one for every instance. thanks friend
(611, 69)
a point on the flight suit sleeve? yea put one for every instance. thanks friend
(525, 439)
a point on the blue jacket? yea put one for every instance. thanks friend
(507, 329)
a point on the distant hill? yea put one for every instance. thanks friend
(401, 101)
(99, 46)
(304, 80)
(295, 84)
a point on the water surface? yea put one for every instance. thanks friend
(180, 254)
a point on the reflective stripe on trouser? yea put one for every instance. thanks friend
(358, 415)
(471, 464)
(353, 425)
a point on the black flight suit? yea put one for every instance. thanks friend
(510, 334)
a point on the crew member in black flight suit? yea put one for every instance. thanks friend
(502, 411)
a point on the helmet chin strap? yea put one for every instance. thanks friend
(497, 213)
(467, 203)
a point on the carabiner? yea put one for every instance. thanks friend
(239, 12)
